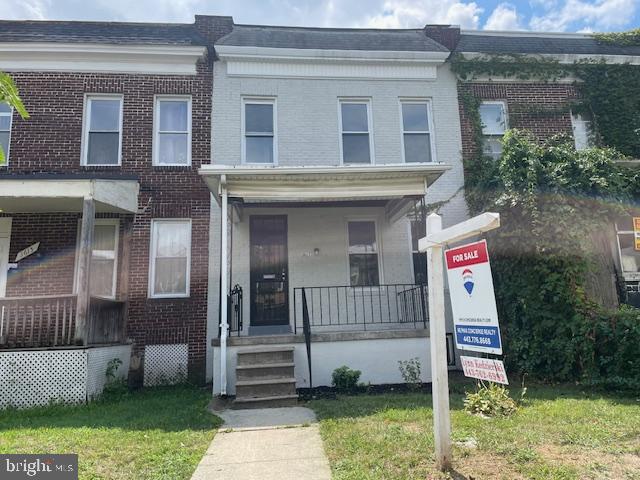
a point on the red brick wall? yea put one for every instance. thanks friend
(548, 101)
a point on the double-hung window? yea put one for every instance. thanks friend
(172, 132)
(416, 131)
(102, 139)
(6, 114)
(363, 254)
(170, 258)
(104, 257)
(259, 132)
(582, 133)
(493, 116)
(355, 124)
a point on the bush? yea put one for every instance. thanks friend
(344, 379)
(410, 371)
(490, 401)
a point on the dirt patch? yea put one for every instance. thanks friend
(593, 463)
(478, 465)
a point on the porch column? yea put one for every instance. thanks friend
(84, 270)
(124, 277)
(224, 285)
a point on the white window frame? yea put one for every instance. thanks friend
(376, 223)
(578, 120)
(156, 128)
(359, 101)
(7, 153)
(259, 101)
(152, 259)
(86, 121)
(502, 103)
(116, 247)
(418, 101)
(628, 276)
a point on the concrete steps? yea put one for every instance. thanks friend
(265, 378)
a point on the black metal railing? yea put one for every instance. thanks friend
(234, 309)
(361, 308)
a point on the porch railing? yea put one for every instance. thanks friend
(234, 311)
(50, 321)
(362, 308)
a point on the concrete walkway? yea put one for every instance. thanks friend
(265, 444)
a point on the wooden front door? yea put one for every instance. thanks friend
(269, 270)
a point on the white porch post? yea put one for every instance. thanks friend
(224, 287)
(84, 270)
(437, 333)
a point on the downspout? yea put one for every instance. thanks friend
(224, 285)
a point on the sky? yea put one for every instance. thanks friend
(540, 15)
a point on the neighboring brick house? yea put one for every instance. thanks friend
(544, 108)
(120, 112)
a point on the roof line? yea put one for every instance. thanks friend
(526, 33)
(99, 22)
(333, 29)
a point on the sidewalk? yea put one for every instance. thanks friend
(265, 444)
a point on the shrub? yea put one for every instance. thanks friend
(344, 379)
(410, 371)
(490, 401)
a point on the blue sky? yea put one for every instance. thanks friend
(544, 15)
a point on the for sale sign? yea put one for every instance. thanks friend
(484, 369)
(473, 303)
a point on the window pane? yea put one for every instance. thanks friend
(362, 237)
(172, 239)
(104, 237)
(492, 147)
(5, 122)
(630, 257)
(624, 224)
(354, 117)
(173, 148)
(258, 118)
(420, 268)
(171, 275)
(259, 149)
(414, 117)
(102, 277)
(416, 147)
(4, 143)
(173, 116)
(493, 119)
(364, 270)
(581, 131)
(105, 115)
(103, 148)
(355, 148)
(5, 107)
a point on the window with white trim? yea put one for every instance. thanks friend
(172, 132)
(259, 133)
(364, 268)
(356, 139)
(170, 258)
(628, 254)
(582, 134)
(104, 257)
(493, 116)
(416, 131)
(102, 139)
(6, 116)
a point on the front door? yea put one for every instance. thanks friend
(269, 270)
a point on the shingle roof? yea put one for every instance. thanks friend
(529, 43)
(100, 32)
(413, 40)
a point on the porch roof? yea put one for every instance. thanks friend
(65, 193)
(255, 184)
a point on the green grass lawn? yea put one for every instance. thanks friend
(158, 433)
(560, 432)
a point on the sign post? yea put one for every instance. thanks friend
(433, 244)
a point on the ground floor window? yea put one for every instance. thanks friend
(363, 254)
(628, 248)
(170, 258)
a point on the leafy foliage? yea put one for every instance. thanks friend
(344, 379)
(623, 39)
(490, 400)
(9, 94)
(410, 371)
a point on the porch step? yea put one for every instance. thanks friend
(266, 402)
(265, 378)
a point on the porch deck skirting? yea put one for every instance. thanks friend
(35, 377)
(374, 353)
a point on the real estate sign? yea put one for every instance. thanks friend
(473, 303)
(484, 369)
(636, 232)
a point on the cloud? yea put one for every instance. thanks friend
(503, 17)
(599, 15)
(417, 13)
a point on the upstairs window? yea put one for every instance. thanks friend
(363, 254)
(416, 131)
(170, 258)
(356, 139)
(103, 130)
(172, 135)
(6, 115)
(494, 123)
(259, 145)
(582, 133)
